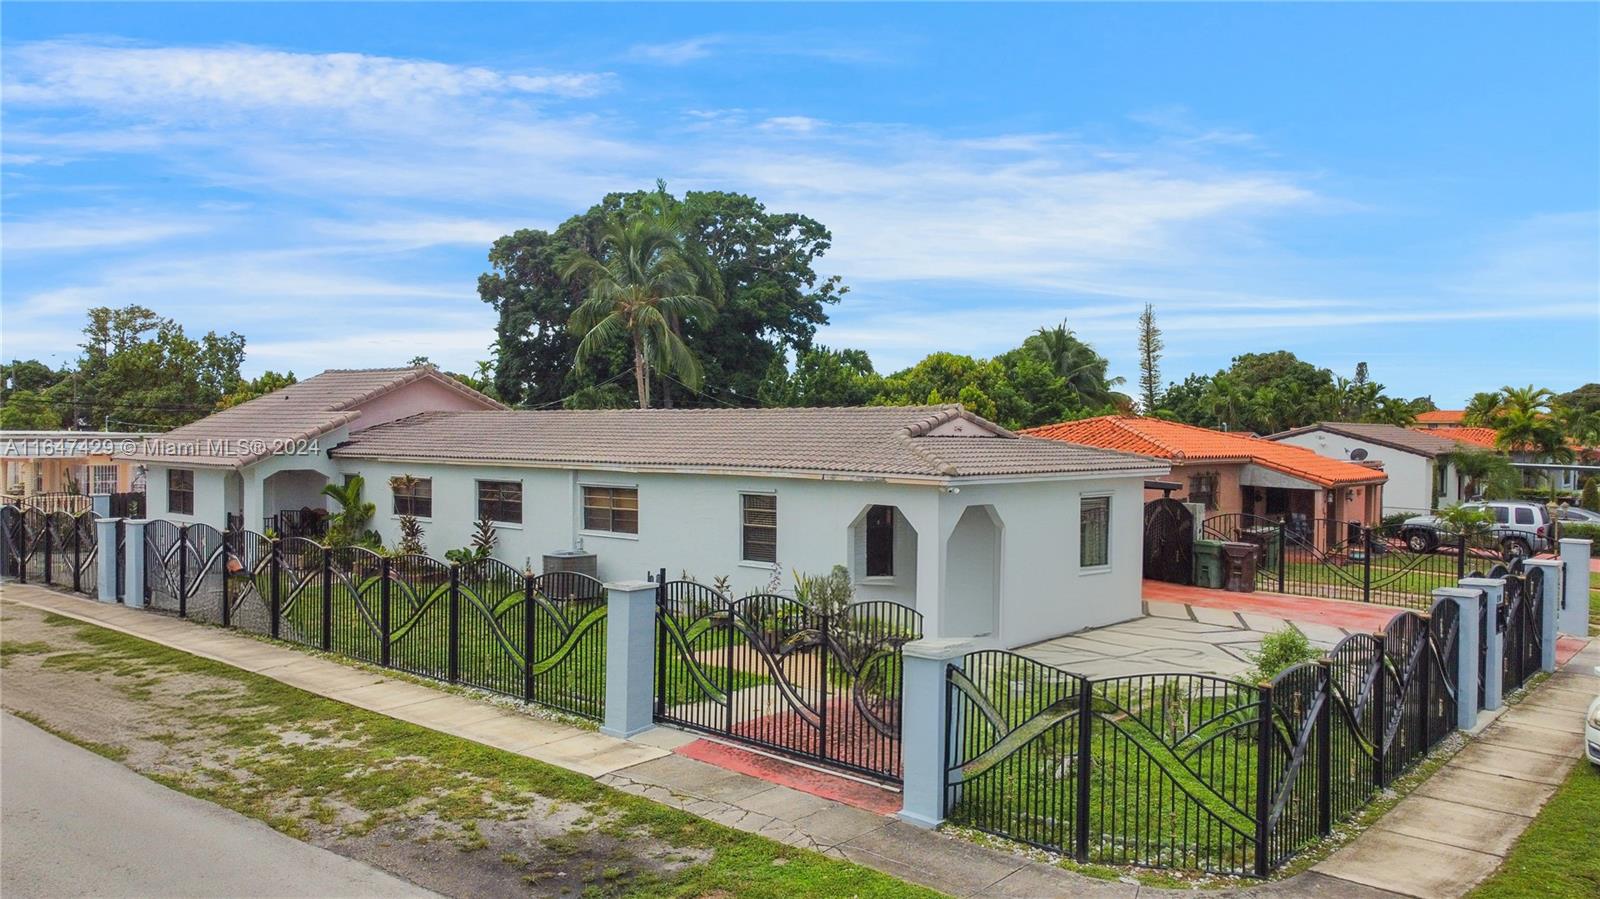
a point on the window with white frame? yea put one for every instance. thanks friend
(500, 501)
(611, 509)
(759, 527)
(879, 536)
(1094, 531)
(180, 491)
(102, 479)
(413, 496)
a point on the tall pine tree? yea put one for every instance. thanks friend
(1150, 347)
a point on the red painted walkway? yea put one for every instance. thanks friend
(840, 789)
(1356, 616)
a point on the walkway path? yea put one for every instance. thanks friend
(651, 766)
(75, 824)
(1457, 827)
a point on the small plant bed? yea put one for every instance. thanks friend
(446, 813)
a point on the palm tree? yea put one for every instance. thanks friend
(1530, 399)
(1484, 409)
(642, 287)
(1077, 362)
(1490, 474)
(1532, 432)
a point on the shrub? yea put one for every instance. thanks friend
(1280, 651)
(828, 594)
(1591, 494)
(484, 537)
(1590, 532)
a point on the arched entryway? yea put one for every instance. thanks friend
(972, 575)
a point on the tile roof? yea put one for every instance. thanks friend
(1422, 442)
(1482, 437)
(1186, 443)
(1442, 417)
(915, 442)
(246, 433)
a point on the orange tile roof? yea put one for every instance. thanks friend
(1185, 443)
(1483, 437)
(1442, 417)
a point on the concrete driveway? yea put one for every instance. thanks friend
(1214, 638)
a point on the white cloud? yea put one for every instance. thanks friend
(675, 53)
(797, 124)
(98, 232)
(120, 77)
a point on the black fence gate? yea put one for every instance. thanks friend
(1168, 542)
(771, 672)
(1189, 770)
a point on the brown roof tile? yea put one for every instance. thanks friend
(245, 433)
(920, 442)
(1420, 442)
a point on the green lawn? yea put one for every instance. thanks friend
(321, 770)
(1559, 856)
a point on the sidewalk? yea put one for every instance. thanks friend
(1519, 757)
(1457, 827)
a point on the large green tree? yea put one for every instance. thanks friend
(642, 289)
(822, 377)
(773, 298)
(136, 369)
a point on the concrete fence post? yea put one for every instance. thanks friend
(1466, 653)
(1494, 643)
(1575, 587)
(924, 707)
(1551, 569)
(106, 561)
(100, 504)
(133, 562)
(630, 658)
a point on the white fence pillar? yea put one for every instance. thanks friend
(630, 658)
(1551, 570)
(1466, 653)
(133, 562)
(100, 504)
(106, 561)
(924, 702)
(1575, 587)
(1494, 643)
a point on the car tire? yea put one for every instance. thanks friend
(1420, 542)
(1515, 549)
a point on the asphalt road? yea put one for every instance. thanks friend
(75, 824)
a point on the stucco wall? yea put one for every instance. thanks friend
(418, 396)
(691, 523)
(1229, 498)
(210, 496)
(1410, 484)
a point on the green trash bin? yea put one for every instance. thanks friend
(1208, 564)
(1266, 537)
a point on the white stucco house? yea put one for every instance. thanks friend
(990, 535)
(1421, 477)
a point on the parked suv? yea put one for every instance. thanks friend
(1522, 528)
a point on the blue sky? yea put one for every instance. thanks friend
(1415, 186)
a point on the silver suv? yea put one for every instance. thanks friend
(1521, 528)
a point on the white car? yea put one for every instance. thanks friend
(1591, 727)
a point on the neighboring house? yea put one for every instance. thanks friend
(1480, 438)
(1442, 418)
(65, 462)
(989, 535)
(263, 463)
(1233, 473)
(1538, 471)
(1421, 477)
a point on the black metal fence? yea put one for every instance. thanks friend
(483, 624)
(1396, 565)
(59, 549)
(1194, 771)
(772, 672)
(1523, 623)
